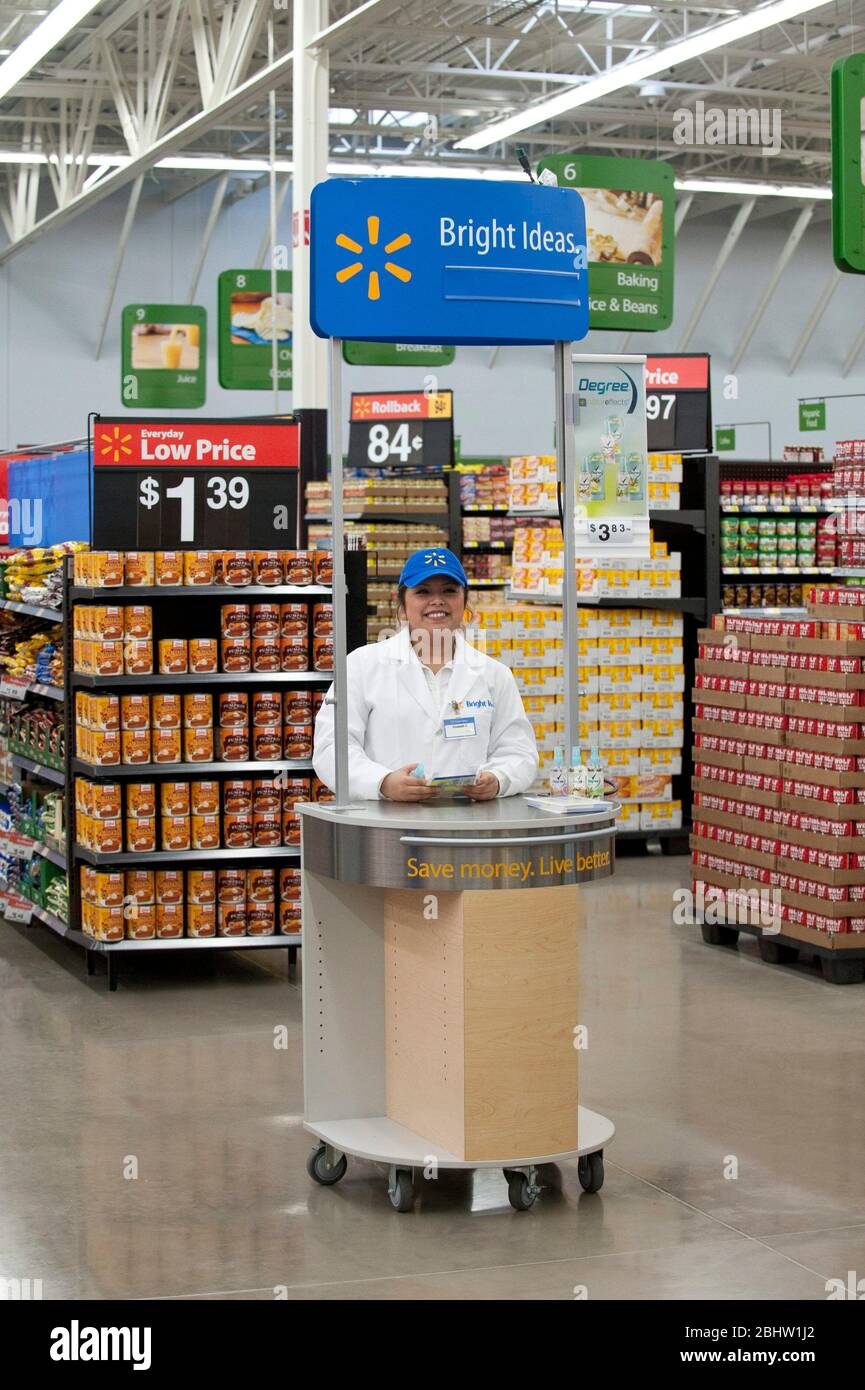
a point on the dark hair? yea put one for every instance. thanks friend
(401, 592)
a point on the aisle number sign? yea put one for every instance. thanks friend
(248, 323)
(630, 227)
(177, 484)
(412, 429)
(447, 261)
(360, 354)
(163, 356)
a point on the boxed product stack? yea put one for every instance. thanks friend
(803, 453)
(484, 488)
(532, 484)
(538, 567)
(488, 530)
(143, 904)
(234, 569)
(631, 687)
(779, 775)
(665, 482)
(487, 568)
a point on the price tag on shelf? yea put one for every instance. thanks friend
(17, 910)
(606, 530)
(12, 689)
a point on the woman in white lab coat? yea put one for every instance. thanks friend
(426, 702)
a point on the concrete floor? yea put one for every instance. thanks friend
(700, 1055)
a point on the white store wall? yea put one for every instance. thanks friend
(52, 297)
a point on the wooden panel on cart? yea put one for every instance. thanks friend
(481, 1005)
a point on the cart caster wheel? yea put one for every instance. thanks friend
(590, 1171)
(522, 1194)
(775, 953)
(716, 935)
(320, 1171)
(400, 1190)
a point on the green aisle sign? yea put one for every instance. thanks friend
(725, 440)
(360, 354)
(163, 356)
(848, 192)
(247, 324)
(812, 416)
(630, 208)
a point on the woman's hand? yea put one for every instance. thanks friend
(485, 788)
(401, 786)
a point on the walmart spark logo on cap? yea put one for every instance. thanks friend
(373, 289)
(419, 566)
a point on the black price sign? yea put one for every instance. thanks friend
(678, 404)
(171, 485)
(401, 429)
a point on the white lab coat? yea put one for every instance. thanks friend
(393, 720)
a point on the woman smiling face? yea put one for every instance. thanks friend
(437, 604)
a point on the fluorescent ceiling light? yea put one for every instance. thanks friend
(54, 27)
(753, 190)
(627, 74)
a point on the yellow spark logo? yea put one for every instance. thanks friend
(115, 444)
(373, 289)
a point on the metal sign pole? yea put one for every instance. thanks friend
(340, 676)
(566, 407)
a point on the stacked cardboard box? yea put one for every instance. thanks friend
(631, 690)
(538, 568)
(665, 482)
(779, 765)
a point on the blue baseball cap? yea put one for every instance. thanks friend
(425, 564)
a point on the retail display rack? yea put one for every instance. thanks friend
(177, 612)
(763, 575)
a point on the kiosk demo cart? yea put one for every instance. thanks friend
(440, 979)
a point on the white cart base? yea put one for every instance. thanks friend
(384, 1141)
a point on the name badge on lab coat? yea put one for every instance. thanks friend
(463, 727)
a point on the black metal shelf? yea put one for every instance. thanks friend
(80, 681)
(112, 771)
(51, 774)
(421, 518)
(693, 517)
(81, 593)
(181, 856)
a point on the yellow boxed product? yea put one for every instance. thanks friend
(623, 787)
(530, 651)
(660, 584)
(618, 622)
(661, 622)
(588, 707)
(661, 815)
(663, 733)
(666, 761)
(618, 707)
(619, 651)
(624, 733)
(622, 762)
(664, 678)
(658, 550)
(663, 705)
(588, 652)
(589, 679)
(620, 680)
(628, 819)
(660, 651)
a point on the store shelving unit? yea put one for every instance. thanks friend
(38, 770)
(778, 471)
(198, 612)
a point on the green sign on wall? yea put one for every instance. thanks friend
(163, 356)
(630, 207)
(361, 354)
(725, 440)
(247, 325)
(848, 191)
(812, 415)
